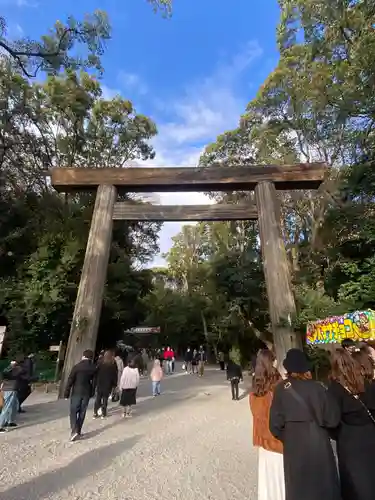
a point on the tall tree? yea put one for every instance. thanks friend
(58, 50)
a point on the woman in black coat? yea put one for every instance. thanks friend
(301, 415)
(354, 391)
(105, 381)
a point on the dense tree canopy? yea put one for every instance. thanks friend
(318, 105)
(64, 120)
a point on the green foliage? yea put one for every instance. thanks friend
(235, 355)
(317, 104)
(64, 120)
(164, 6)
(58, 49)
(320, 362)
(213, 289)
(74, 44)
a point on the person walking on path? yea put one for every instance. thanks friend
(221, 357)
(194, 363)
(356, 435)
(271, 485)
(80, 388)
(173, 360)
(10, 385)
(105, 382)
(120, 368)
(128, 384)
(168, 358)
(156, 377)
(160, 356)
(100, 357)
(24, 389)
(145, 362)
(188, 360)
(201, 361)
(234, 375)
(302, 415)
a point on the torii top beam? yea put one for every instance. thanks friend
(214, 178)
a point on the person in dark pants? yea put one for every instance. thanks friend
(28, 366)
(80, 388)
(105, 381)
(12, 376)
(234, 374)
(222, 360)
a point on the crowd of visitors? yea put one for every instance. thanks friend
(296, 419)
(315, 440)
(116, 376)
(195, 361)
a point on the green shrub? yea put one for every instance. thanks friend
(235, 355)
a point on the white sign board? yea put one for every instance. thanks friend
(54, 348)
(146, 329)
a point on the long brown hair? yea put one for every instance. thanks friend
(347, 371)
(266, 375)
(300, 376)
(362, 357)
(108, 357)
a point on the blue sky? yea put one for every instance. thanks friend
(193, 73)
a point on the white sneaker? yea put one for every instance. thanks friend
(74, 436)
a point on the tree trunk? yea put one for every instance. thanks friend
(85, 323)
(204, 324)
(279, 288)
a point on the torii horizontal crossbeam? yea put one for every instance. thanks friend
(168, 213)
(215, 178)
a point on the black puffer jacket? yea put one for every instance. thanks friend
(12, 378)
(233, 371)
(106, 377)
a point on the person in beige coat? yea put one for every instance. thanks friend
(156, 377)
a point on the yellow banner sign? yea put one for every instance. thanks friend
(359, 325)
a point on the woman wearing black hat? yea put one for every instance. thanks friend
(301, 415)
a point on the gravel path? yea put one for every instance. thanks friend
(191, 443)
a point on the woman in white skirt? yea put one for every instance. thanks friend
(271, 485)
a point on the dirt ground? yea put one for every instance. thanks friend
(191, 443)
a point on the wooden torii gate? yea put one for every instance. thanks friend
(109, 182)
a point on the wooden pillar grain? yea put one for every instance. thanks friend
(85, 323)
(276, 269)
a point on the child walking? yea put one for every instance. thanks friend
(156, 376)
(128, 384)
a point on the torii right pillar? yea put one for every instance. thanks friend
(282, 305)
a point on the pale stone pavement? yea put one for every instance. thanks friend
(191, 443)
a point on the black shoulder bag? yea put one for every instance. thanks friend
(363, 405)
(288, 386)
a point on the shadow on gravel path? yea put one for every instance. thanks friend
(83, 466)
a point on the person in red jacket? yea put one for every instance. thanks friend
(168, 358)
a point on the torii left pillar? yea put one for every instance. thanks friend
(85, 323)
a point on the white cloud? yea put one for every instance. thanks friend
(15, 31)
(203, 109)
(132, 82)
(20, 3)
(209, 106)
(109, 93)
